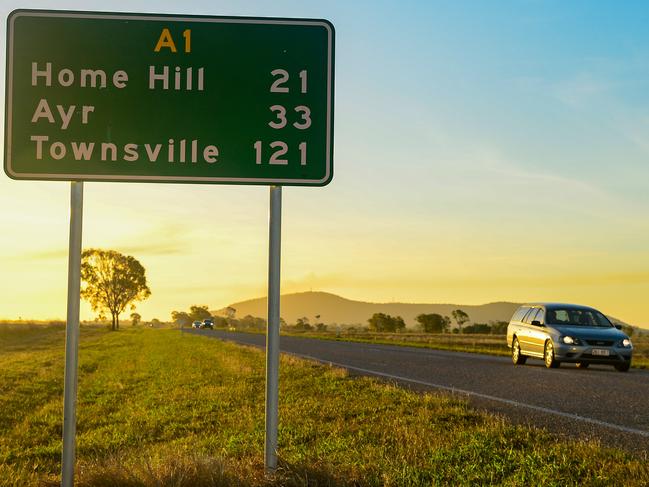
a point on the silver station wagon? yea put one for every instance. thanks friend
(558, 333)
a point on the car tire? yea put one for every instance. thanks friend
(548, 356)
(623, 367)
(517, 356)
(582, 365)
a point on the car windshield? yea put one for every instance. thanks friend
(576, 317)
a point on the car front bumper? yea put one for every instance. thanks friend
(592, 355)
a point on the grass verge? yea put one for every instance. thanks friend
(160, 408)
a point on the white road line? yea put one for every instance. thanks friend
(510, 402)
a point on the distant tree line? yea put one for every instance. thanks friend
(378, 322)
(436, 323)
(248, 322)
(196, 313)
(303, 324)
(201, 313)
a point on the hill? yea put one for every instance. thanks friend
(336, 309)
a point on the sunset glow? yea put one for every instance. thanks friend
(481, 154)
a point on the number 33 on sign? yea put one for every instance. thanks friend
(278, 149)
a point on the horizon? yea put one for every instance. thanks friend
(483, 154)
(284, 295)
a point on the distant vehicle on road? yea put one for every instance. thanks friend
(559, 333)
(197, 324)
(208, 323)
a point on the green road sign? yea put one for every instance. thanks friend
(161, 98)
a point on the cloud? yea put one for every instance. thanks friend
(153, 248)
(580, 90)
(162, 240)
(54, 254)
(633, 125)
(521, 175)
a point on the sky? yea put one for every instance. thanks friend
(484, 151)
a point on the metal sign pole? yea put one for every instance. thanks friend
(72, 336)
(272, 334)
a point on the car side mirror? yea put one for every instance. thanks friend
(536, 323)
(619, 327)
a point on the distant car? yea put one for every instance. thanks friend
(559, 333)
(197, 324)
(208, 323)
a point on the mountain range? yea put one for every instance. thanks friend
(336, 309)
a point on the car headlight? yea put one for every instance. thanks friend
(626, 343)
(568, 340)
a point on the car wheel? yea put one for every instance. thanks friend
(623, 367)
(582, 365)
(548, 356)
(517, 357)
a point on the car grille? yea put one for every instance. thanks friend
(600, 343)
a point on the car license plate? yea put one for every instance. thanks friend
(601, 352)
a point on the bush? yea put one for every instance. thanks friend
(481, 328)
(433, 323)
(383, 322)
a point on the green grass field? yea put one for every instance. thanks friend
(161, 408)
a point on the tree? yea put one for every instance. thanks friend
(112, 282)
(499, 327)
(433, 323)
(252, 322)
(220, 322)
(303, 324)
(136, 318)
(199, 313)
(230, 313)
(319, 325)
(478, 328)
(181, 318)
(383, 322)
(460, 318)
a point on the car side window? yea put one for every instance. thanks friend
(520, 313)
(561, 317)
(540, 315)
(530, 316)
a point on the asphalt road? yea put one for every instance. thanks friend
(595, 403)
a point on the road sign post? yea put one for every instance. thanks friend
(178, 99)
(72, 336)
(272, 332)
